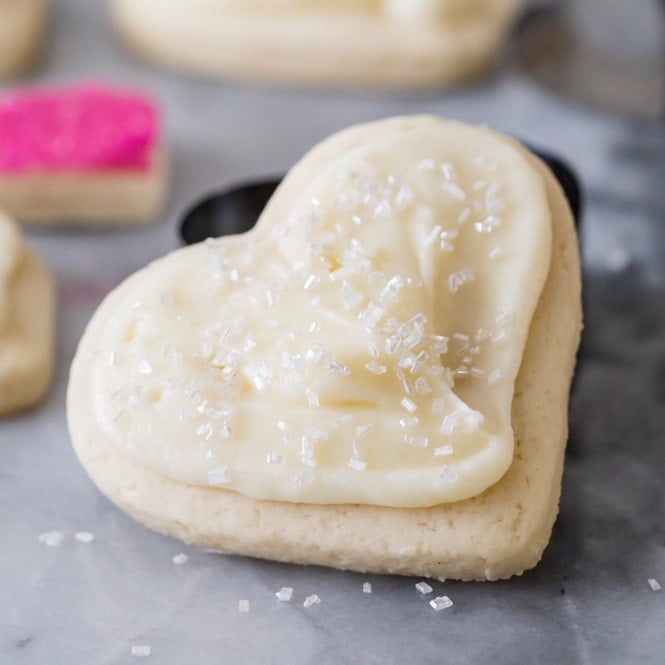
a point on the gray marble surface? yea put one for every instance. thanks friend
(587, 602)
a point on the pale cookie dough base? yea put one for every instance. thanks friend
(100, 198)
(495, 535)
(26, 344)
(21, 29)
(313, 48)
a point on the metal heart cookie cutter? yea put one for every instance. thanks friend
(237, 208)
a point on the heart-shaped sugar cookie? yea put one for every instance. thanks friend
(376, 377)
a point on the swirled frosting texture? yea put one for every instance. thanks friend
(359, 346)
(80, 128)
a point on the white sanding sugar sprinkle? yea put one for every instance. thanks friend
(179, 559)
(84, 537)
(141, 650)
(219, 476)
(312, 600)
(285, 594)
(243, 606)
(441, 603)
(424, 588)
(367, 587)
(653, 583)
(51, 538)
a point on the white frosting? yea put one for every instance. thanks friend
(361, 347)
(11, 249)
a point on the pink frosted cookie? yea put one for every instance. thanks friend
(83, 153)
(21, 28)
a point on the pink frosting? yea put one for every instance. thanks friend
(81, 128)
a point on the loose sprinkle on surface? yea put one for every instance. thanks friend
(653, 583)
(285, 594)
(51, 538)
(141, 650)
(84, 537)
(424, 588)
(367, 587)
(179, 559)
(243, 606)
(311, 600)
(440, 603)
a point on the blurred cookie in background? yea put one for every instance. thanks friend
(356, 43)
(21, 29)
(27, 314)
(89, 154)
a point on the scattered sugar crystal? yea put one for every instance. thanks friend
(367, 587)
(404, 196)
(392, 344)
(312, 398)
(179, 559)
(409, 405)
(427, 165)
(457, 279)
(141, 650)
(285, 594)
(273, 458)
(84, 537)
(370, 316)
(342, 419)
(144, 367)
(225, 432)
(375, 368)
(283, 426)
(304, 478)
(364, 429)
(416, 441)
(653, 583)
(495, 253)
(437, 405)
(424, 588)
(448, 171)
(411, 421)
(422, 386)
(448, 473)
(51, 538)
(441, 603)
(495, 376)
(448, 425)
(454, 190)
(219, 476)
(356, 464)
(432, 236)
(243, 606)
(442, 451)
(311, 600)
(464, 216)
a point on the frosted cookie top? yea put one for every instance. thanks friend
(79, 128)
(11, 249)
(359, 346)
